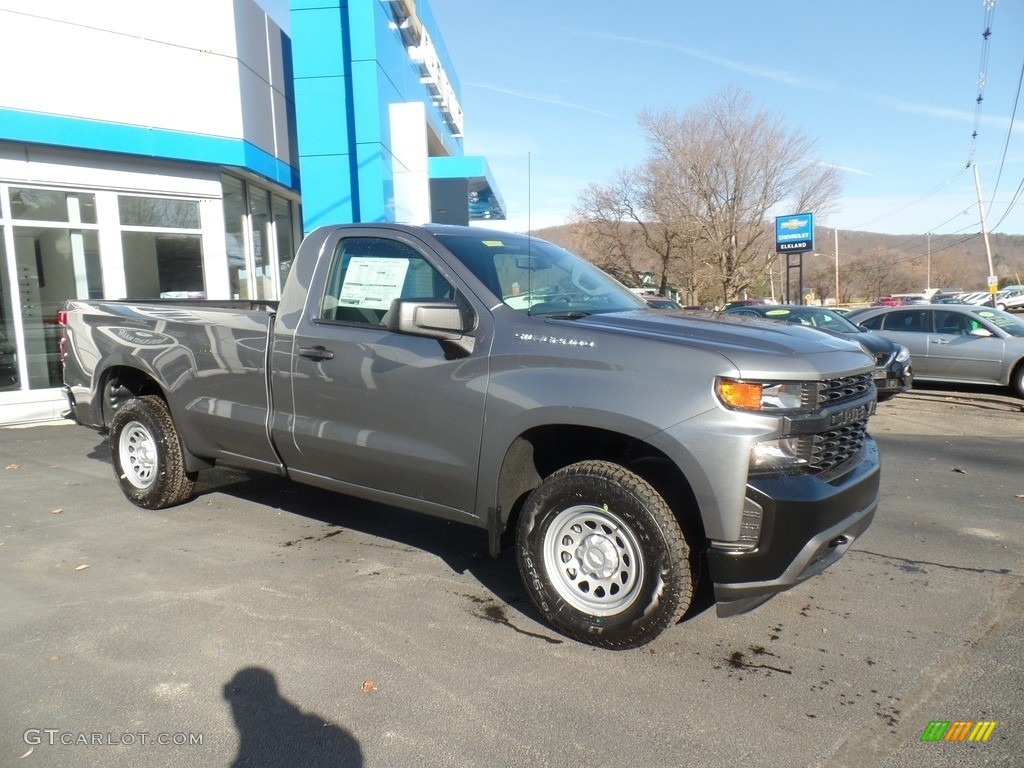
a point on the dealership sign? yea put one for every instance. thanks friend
(794, 234)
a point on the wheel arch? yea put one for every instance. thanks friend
(121, 383)
(539, 451)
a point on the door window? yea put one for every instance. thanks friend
(907, 321)
(368, 273)
(953, 323)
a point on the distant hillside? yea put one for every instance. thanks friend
(872, 264)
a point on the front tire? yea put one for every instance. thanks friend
(1017, 379)
(149, 461)
(603, 557)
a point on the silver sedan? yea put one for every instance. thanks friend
(956, 343)
(1010, 298)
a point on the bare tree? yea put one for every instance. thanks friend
(880, 272)
(712, 180)
(727, 167)
(606, 232)
(951, 271)
(622, 227)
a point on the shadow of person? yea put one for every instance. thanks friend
(274, 732)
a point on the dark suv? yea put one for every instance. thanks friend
(893, 373)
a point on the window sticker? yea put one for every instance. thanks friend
(773, 312)
(373, 282)
(493, 243)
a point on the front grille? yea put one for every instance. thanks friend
(836, 391)
(826, 450)
(830, 448)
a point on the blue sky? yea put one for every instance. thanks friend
(887, 88)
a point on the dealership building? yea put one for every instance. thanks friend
(181, 150)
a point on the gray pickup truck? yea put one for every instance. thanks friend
(500, 381)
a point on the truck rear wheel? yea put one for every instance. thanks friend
(603, 557)
(149, 462)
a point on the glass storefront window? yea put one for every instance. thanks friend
(158, 212)
(163, 265)
(234, 231)
(53, 265)
(159, 264)
(53, 205)
(260, 239)
(285, 237)
(259, 212)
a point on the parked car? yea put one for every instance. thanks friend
(660, 302)
(887, 301)
(1010, 299)
(893, 373)
(748, 303)
(975, 297)
(956, 343)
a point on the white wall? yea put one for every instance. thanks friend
(209, 67)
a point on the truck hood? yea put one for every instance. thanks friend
(754, 346)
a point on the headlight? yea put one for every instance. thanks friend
(902, 353)
(762, 396)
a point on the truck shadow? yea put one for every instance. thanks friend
(463, 548)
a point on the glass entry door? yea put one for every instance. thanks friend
(9, 377)
(53, 265)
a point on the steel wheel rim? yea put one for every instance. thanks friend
(592, 559)
(138, 451)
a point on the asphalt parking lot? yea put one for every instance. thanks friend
(269, 624)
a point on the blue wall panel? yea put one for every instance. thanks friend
(351, 63)
(327, 134)
(317, 45)
(79, 133)
(327, 192)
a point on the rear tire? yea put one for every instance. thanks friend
(602, 556)
(149, 461)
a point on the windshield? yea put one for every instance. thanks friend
(1002, 320)
(813, 316)
(538, 278)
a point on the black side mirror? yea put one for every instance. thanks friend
(445, 321)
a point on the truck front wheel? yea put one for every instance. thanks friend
(603, 557)
(148, 459)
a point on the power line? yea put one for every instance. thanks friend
(1002, 160)
(986, 35)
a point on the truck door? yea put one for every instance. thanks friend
(375, 412)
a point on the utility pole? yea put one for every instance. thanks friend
(835, 231)
(993, 281)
